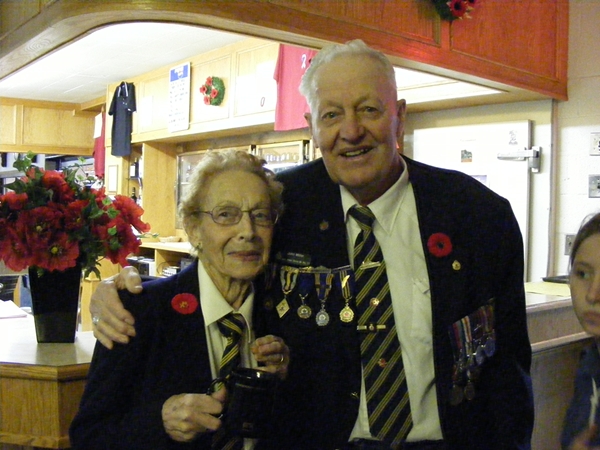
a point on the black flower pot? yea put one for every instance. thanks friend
(55, 303)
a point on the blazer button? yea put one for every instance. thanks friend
(355, 395)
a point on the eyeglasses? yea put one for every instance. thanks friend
(231, 215)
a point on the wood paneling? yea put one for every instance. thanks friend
(160, 172)
(45, 127)
(518, 47)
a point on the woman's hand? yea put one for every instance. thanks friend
(185, 416)
(273, 353)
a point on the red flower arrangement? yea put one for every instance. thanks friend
(454, 9)
(439, 245)
(55, 220)
(185, 303)
(213, 90)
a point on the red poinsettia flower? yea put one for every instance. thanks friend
(55, 183)
(130, 212)
(184, 303)
(54, 221)
(439, 245)
(14, 201)
(60, 254)
(203, 89)
(206, 100)
(458, 8)
(209, 81)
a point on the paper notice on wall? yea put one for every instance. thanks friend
(179, 98)
(98, 126)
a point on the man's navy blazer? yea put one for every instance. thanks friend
(321, 402)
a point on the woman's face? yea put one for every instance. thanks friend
(584, 280)
(239, 251)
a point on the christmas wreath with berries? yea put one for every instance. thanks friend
(213, 91)
(454, 9)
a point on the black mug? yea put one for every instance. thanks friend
(250, 399)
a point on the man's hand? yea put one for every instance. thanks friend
(274, 353)
(112, 322)
(187, 415)
(582, 441)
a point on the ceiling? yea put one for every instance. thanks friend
(81, 71)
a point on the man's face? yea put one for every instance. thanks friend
(356, 123)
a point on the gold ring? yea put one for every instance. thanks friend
(95, 320)
(281, 360)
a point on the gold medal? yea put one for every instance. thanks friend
(283, 308)
(346, 314)
(304, 311)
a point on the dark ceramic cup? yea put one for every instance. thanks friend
(250, 399)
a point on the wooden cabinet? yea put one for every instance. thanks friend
(247, 70)
(45, 127)
(255, 87)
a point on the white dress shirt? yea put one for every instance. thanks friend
(396, 228)
(213, 310)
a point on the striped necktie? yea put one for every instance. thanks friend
(385, 381)
(231, 327)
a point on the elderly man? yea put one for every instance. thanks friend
(397, 286)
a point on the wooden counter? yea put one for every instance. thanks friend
(40, 385)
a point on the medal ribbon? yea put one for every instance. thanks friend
(323, 283)
(288, 277)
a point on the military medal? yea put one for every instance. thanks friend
(304, 311)
(288, 276)
(346, 282)
(489, 346)
(323, 282)
(470, 390)
(456, 392)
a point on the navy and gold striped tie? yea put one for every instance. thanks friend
(385, 381)
(231, 327)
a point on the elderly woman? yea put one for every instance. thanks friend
(152, 393)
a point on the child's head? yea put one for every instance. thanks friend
(584, 275)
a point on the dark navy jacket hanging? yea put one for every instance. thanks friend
(122, 108)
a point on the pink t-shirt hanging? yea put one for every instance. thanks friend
(291, 106)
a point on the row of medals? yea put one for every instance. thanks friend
(324, 280)
(469, 366)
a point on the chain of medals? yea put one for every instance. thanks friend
(473, 341)
(322, 279)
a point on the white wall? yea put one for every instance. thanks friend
(577, 118)
(540, 113)
(553, 216)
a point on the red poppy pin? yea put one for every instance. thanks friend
(439, 245)
(184, 303)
